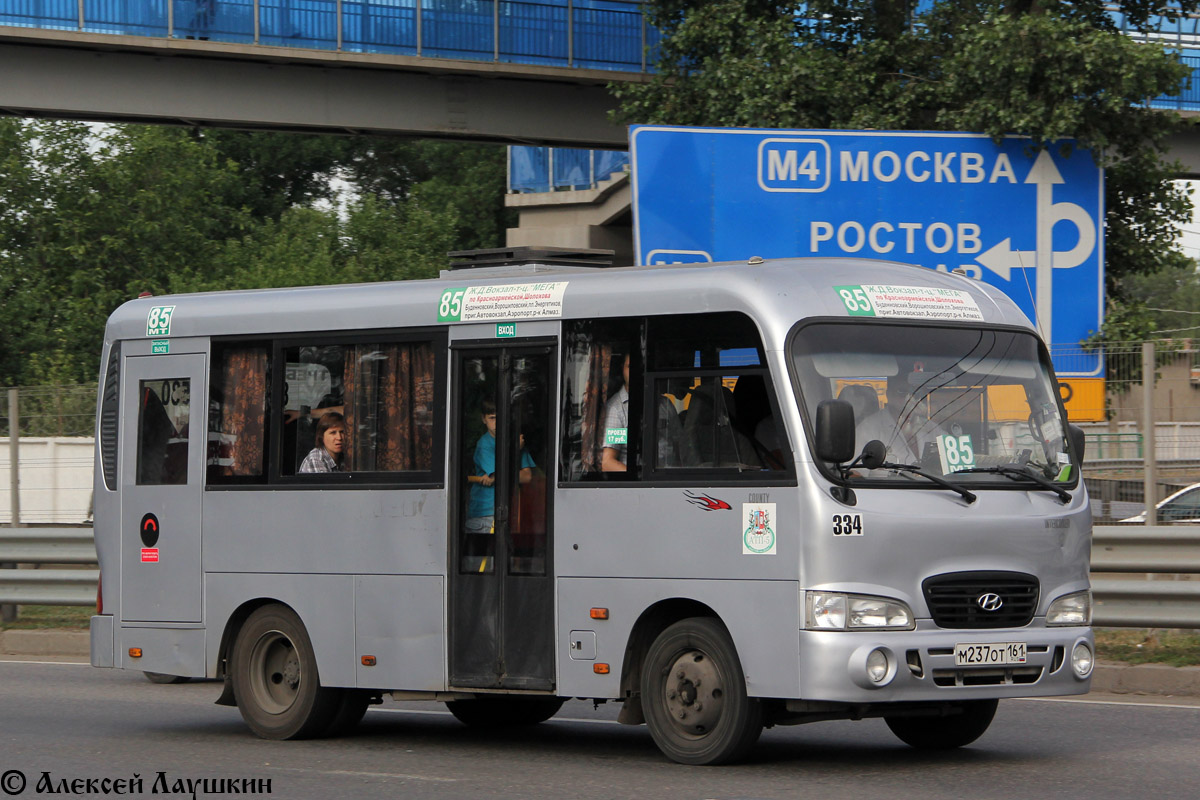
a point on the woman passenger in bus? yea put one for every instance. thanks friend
(331, 445)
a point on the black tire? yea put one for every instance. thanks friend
(162, 677)
(694, 695)
(945, 733)
(504, 711)
(275, 680)
(350, 711)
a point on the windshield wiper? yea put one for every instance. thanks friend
(969, 496)
(872, 458)
(1019, 474)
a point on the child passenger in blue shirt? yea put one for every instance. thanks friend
(482, 507)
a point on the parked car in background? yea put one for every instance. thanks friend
(1183, 506)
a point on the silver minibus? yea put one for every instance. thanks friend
(726, 496)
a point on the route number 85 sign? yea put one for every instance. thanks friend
(955, 453)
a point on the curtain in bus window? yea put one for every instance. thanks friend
(595, 399)
(389, 407)
(237, 415)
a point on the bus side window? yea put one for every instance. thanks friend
(714, 406)
(237, 415)
(599, 411)
(385, 392)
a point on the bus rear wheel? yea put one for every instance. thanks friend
(275, 680)
(499, 712)
(945, 733)
(694, 695)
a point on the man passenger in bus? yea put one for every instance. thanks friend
(482, 503)
(616, 427)
(331, 445)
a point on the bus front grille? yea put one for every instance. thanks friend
(981, 599)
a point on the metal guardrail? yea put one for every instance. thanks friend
(48, 587)
(1160, 552)
(47, 546)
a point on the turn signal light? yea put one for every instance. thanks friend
(599, 613)
(368, 661)
(600, 669)
(135, 652)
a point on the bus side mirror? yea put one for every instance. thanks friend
(835, 431)
(1078, 442)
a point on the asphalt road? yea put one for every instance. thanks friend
(77, 723)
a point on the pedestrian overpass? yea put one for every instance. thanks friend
(514, 71)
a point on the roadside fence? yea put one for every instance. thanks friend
(1141, 420)
(52, 481)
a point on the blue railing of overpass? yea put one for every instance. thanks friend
(595, 34)
(1180, 35)
(1188, 98)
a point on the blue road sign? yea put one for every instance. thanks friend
(1028, 223)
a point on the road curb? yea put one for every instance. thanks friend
(1152, 679)
(45, 643)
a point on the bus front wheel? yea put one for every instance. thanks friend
(945, 733)
(694, 695)
(275, 680)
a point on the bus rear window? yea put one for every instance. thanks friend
(162, 454)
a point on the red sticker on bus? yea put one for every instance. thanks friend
(150, 555)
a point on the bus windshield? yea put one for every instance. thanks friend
(946, 400)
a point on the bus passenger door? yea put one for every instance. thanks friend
(501, 581)
(161, 466)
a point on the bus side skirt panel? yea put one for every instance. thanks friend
(324, 603)
(762, 617)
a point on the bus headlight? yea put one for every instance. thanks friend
(1071, 609)
(836, 611)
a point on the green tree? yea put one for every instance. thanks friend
(375, 241)
(91, 217)
(1047, 69)
(467, 180)
(281, 170)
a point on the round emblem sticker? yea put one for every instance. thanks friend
(149, 530)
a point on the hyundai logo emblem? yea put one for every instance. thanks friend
(990, 601)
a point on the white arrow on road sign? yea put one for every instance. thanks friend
(1001, 258)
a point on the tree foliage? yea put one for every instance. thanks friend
(1047, 69)
(91, 217)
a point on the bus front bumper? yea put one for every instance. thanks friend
(921, 665)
